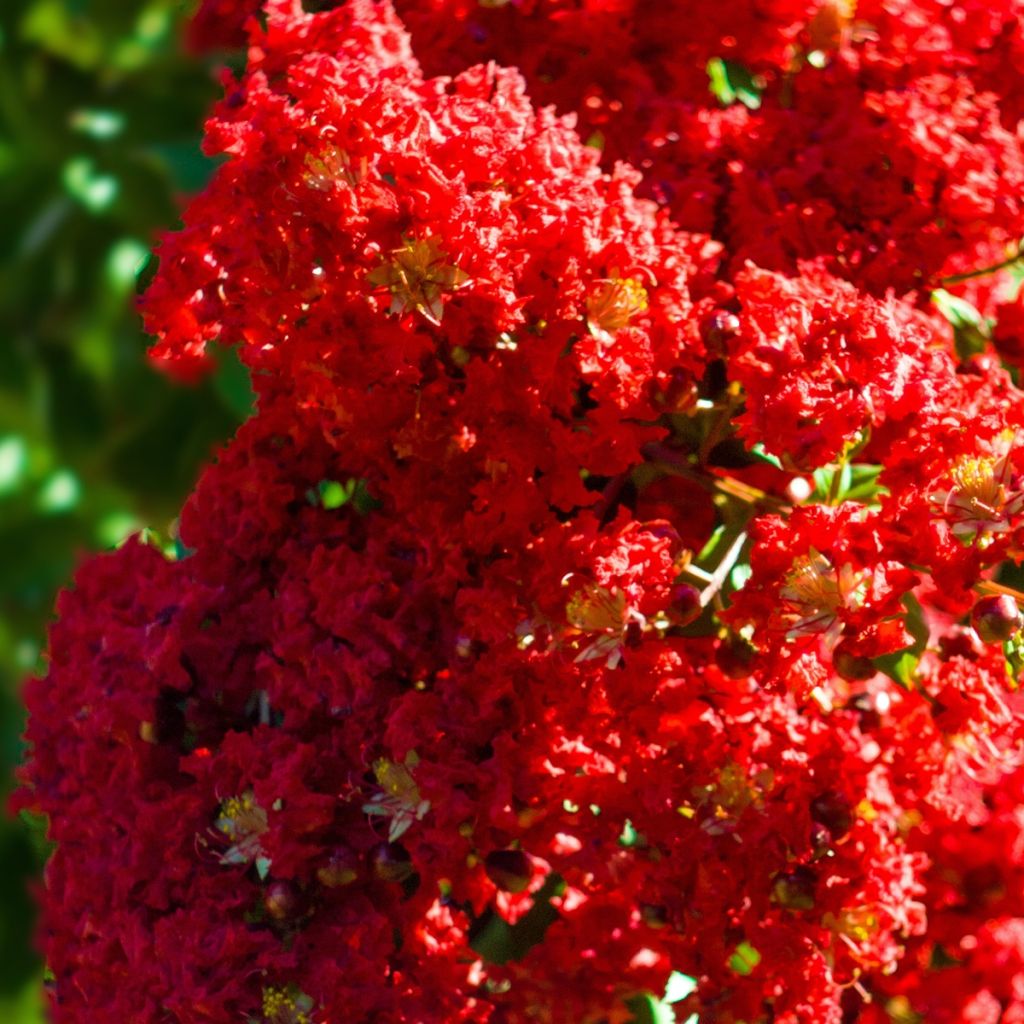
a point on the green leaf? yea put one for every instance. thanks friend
(13, 463)
(1013, 649)
(731, 83)
(126, 259)
(630, 836)
(739, 575)
(971, 330)
(333, 494)
(94, 190)
(679, 986)
(863, 484)
(114, 529)
(362, 500)
(717, 540)
(744, 959)
(234, 384)
(60, 493)
(901, 666)
(849, 481)
(498, 942)
(647, 1009)
(758, 451)
(98, 124)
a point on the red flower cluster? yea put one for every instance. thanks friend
(593, 603)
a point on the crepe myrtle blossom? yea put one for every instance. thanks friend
(609, 611)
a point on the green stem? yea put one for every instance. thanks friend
(834, 484)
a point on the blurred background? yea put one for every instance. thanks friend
(101, 111)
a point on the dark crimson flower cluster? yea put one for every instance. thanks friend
(614, 587)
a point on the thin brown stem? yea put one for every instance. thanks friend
(722, 570)
(982, 271)
(671, 461)
(991, 588)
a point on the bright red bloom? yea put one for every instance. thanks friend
(588, 599)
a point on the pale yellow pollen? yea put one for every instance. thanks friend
(604, 614)
(241, 816)
(283, 1006)
(615, 303)
(400, 800)
(243, 821)
(332, 164)
(396, 780)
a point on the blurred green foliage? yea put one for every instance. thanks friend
(100, 122)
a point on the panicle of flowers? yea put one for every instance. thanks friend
(599, 609)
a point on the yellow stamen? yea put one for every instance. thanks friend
(243, 821)
(418, 275)
(595, 609)
(981, 500)
(816, 593)
(614, 304)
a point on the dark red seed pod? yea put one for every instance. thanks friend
(685, 607)
(390, 862)
(735, 657)
(996, 618)
(510, 870)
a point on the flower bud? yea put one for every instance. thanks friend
(685, 607)
(510, 870)
(794, 889)
(390, 862)
(996, 618)
(718, 328)
(281, 900)
(852, 667)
